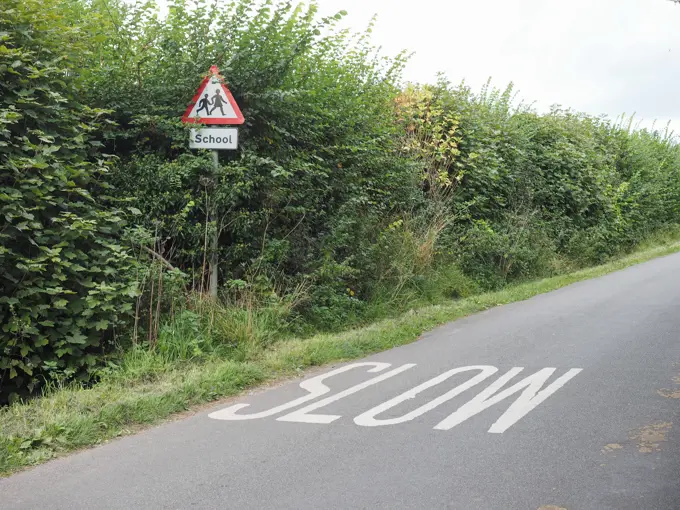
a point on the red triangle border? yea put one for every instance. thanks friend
(206, 120)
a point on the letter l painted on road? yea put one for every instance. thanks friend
(303, 416)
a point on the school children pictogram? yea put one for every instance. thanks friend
(213, 103)
(203, 105)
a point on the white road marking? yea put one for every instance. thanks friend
(303, 416)
(368, 419)
(530, 387)
(528, 400)
(314, 386)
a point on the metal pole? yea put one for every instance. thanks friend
(213, 256)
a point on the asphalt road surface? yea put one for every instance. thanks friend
(569, 400)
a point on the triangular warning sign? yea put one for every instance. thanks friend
(213, 103)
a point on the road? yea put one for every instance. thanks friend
(589, 422)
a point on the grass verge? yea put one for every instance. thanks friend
(69, 418)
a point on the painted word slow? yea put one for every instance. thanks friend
(528, 393)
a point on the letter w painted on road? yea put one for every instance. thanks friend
(528, 400)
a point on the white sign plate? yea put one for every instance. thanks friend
(214, 138)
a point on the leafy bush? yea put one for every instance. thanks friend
(514, 249)
(585, 189)
(317, 153)
(63, 286)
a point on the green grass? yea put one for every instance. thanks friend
(148, 388)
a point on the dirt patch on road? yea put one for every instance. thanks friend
(669, 393)
(649, 438)
(646, 439)
(612, 447)
(672, 393)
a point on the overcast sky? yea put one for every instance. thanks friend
(597, 56)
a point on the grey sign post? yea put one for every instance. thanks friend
(213, 105)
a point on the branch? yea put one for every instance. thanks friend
(161, 258)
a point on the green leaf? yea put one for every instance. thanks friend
(101, 325)
(77, 338)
